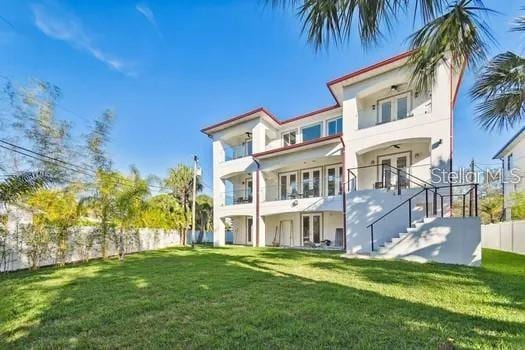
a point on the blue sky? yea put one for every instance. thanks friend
(169, 68)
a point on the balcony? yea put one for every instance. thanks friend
(239, 151)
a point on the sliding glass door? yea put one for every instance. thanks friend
(311, 227)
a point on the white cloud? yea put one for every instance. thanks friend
(146, 11)
(61, 25)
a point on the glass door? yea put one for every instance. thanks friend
(388, 171)
(311, 182)
(288, 186)
(334, 178)
(249, 190)
(311, 227)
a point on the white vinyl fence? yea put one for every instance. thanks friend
(508, 236)
(13, 248)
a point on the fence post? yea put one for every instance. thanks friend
(398, 183)
(463, 205)
(441, 206)
(410, 212)
(426, 201)
(372, 236)
(435, 204)
(476, 199)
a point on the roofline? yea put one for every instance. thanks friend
(328, 85)
(297, 145)
(370, 68)
(496, 156)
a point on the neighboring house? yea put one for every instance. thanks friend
(512, 156)
(320, 179)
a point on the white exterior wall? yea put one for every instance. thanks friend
(443, 240)
(427, 133)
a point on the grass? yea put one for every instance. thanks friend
(265, 298)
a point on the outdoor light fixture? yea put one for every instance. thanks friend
(393, 88)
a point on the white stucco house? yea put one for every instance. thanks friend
(344, 176)
(512, 156)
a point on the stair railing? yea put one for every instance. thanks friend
(472, 192)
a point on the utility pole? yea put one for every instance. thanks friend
(195, 161)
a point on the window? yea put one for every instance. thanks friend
(402, 107)
(289, 138)
(394, 108)
(386, 111)
(509, 162)
(311, 132)
(335, 126)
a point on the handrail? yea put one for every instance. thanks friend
(409, 176)
(473, 187)
(397, 206)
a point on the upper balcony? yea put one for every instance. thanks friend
(391, 104)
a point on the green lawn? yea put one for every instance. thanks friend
(265, 298)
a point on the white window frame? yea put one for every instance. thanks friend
(333, 120)
(309, 126)
(393, 110)
(288, 132)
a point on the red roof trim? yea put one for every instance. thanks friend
(257, 110)
(297, 145)
(309, 114)
(369, 68)
(325, 109)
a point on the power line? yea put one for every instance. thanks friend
(66, 165)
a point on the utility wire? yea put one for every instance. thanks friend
(59, 162)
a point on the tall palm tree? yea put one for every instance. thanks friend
(130, 202)
(204, 219)
(180, 184)
(448, 28)
(500, 88)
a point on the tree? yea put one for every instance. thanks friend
(204, 214)
(180, 184)
(500, 88)
(448, 29)
(57, 211)
(491, 207)
(518, 206)
(101, 204)
(16, 186)
(164, 212)
(130, 201)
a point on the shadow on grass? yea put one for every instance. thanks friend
(231, 298)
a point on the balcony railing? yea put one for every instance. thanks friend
(239, 151)
(238, 197)
(304, 189)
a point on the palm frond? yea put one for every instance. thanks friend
(326, 21)
(519, 23)
(15, 186)
(459, 33)
(500, 88)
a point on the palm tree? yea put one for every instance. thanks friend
(454, 29)
(204, 215)
(130, 202)
(16, 186)
(500, 88)
(180, 184)
(101, 203)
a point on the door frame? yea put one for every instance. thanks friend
(321, 226)
(409, 161)
(337, 183)
(321, 178)
(287, 174)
